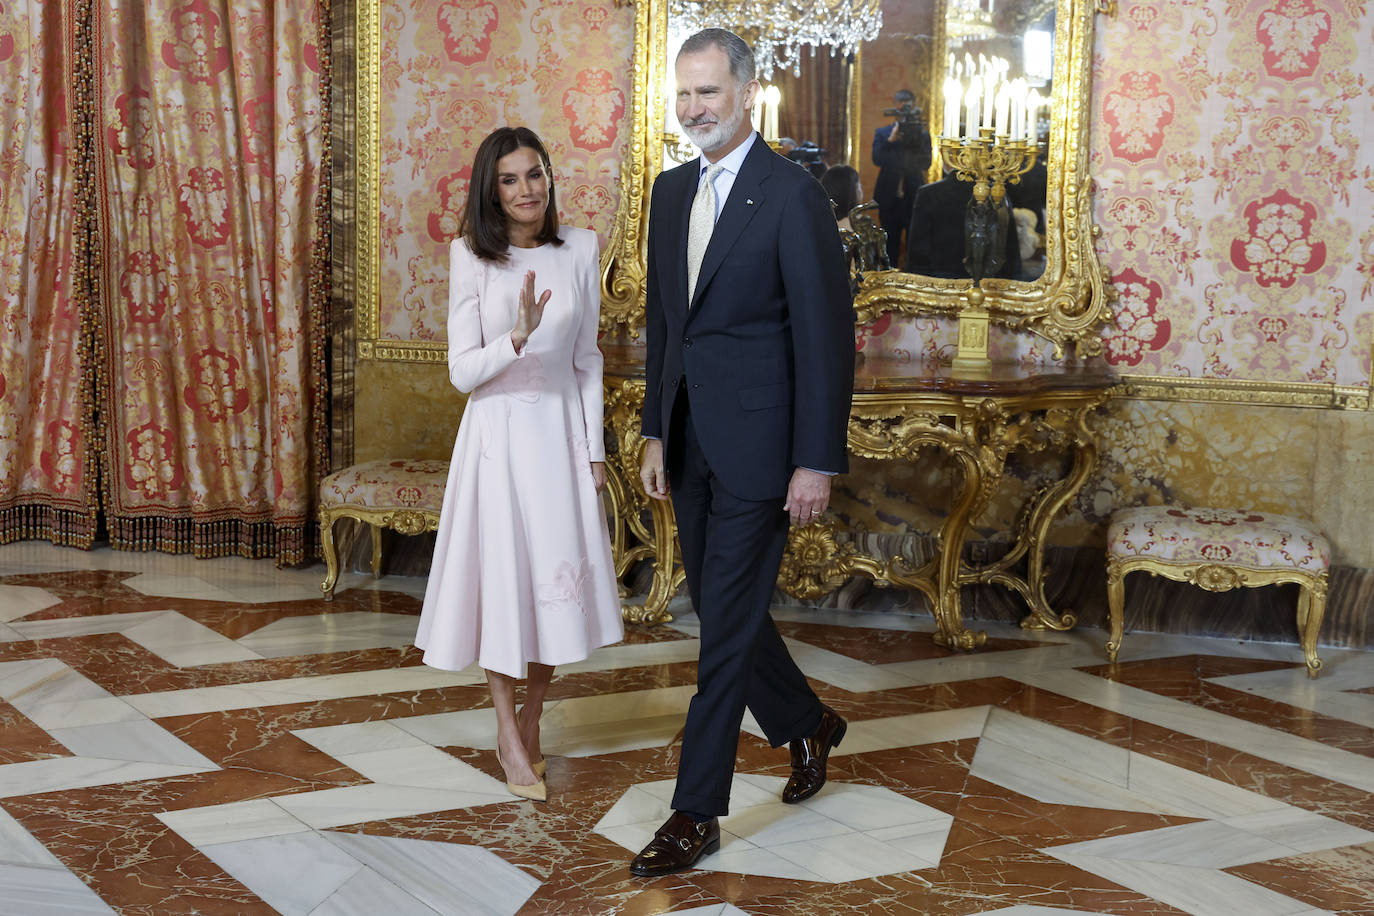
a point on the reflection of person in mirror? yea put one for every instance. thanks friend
(749, 367)
(842, 186)
(902, 152)
(938, 236)
(522, 576)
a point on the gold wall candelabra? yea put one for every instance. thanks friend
(991, 161)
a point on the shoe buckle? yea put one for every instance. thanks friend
(685, 843)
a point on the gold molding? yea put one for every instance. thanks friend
(1069, 303)
(1242, 391)
(624, 262)
(367, 83)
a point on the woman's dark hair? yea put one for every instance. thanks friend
(484, 222)
(839, 182)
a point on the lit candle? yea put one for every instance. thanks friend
(975, 86)
(953, 95)
(1003, 109)
(1033, 103)
(774, 102)
(989, 99)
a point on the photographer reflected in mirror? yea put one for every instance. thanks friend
(809, 156)
(901, 151)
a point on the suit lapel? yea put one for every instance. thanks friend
(744, 201)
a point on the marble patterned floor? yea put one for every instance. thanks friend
(210, 737)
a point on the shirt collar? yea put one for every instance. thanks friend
(733, 161)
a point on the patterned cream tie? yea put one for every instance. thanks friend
(700, 224)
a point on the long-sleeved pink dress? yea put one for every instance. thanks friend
(522, 567)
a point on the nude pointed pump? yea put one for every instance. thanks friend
(539, 791)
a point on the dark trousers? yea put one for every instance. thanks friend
(731, 550)
(895, 217)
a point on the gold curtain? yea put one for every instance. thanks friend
(48, 481)
(815, 105)
(181, 352)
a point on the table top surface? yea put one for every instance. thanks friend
(888, 375)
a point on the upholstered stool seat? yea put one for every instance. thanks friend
(1220, 549)
(398, 493)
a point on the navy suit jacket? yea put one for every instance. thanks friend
(766, 349)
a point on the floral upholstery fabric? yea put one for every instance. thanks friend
(1256, 540)
(387, 484)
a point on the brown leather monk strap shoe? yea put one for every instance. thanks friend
(809, 756)
(677, 845)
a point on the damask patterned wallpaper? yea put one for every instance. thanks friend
(1233, 195)
(454, 70)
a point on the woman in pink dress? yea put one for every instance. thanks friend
(522, 578)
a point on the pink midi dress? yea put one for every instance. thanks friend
(522, 568)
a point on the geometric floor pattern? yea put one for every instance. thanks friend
(210, 737)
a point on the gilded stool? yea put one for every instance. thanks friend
(1219, 549)
(401, 494)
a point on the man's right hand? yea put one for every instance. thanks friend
(651, 472)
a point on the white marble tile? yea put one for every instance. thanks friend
(18, 601)
(95, 711)
(359, 804)
(320, 633)
(67, 627)
(953, 668)
(1180, 791)
(861, 678)
(1206, 844)
(640, 655)
(137, 739)
(357, 737)
(423, 767)
(293, 874)
(185, 643)
(924, 840)
(635, 807)
(1301, 831)
(28, 890)
(849, 857)
(751, 860)
(18, 847)
(873, 620)
(1327, 695)
(295, 690)
(1198, 891)
(777, 824)
(9, 634)
(451, 878)
(1025, 909)
(369, 894)
(865, 808)
(18, 676)
(190, 588)
(59, 773)
(231, 822)
(1006, 766)
(1271, 744)
(1058, 747)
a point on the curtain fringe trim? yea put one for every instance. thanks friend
(290, 544)
(64, 527)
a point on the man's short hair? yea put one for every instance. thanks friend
(904, 95)
(736, 48)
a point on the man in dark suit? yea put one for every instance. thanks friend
(901, 151)
(750, 369)
(938, 238)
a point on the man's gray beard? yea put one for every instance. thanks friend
(718, 136)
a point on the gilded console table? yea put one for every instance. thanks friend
(900, 410)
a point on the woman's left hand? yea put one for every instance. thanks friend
(599, 474)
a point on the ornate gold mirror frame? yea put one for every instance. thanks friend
(1067, 304)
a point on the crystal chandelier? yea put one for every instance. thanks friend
(969, 20)
(777, 29)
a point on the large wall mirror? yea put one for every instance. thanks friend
(1058, 289)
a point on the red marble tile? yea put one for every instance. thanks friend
(21, 740)
(1339, 880)
(880, 647)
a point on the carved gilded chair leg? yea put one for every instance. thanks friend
(1311, 609)
(331, 555)
(1116, 602)
(376, 531)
